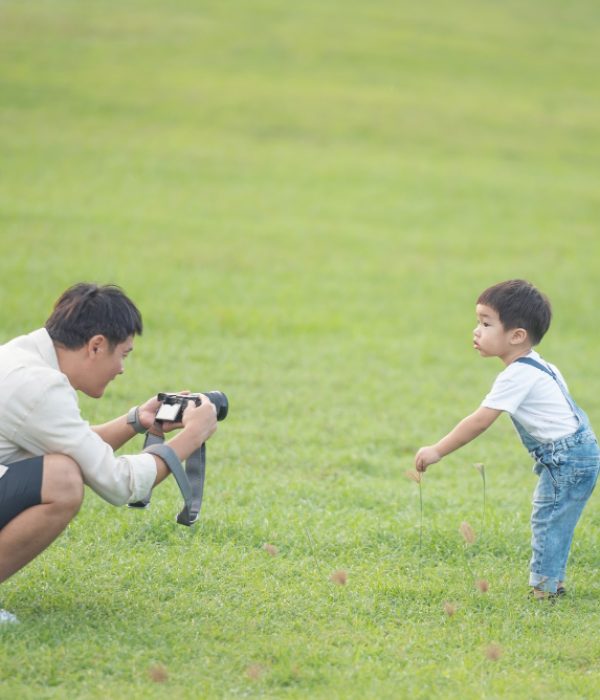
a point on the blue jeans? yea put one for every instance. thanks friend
(568, 470)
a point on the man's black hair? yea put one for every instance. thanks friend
(519, 305)
(85, 310)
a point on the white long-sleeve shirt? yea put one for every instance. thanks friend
(39, 415)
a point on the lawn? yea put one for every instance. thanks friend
(305, 200)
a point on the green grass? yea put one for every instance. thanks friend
(305, 199)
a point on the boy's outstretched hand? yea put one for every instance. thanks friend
(426, 456)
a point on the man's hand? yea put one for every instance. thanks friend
(200, 420)
(198, 423)
(147, 413)
(426, 456)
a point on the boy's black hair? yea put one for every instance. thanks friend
(519, 305)
(85, 310)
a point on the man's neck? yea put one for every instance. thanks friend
(69, 362)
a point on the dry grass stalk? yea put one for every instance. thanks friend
(417, 477)
(339, 577)
(270, 549)
(481, 469)
(467, 532)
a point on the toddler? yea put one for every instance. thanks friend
(512, 317)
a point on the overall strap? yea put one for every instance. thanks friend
(539, 365)
(561, 386)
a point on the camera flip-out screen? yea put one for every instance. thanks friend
(168, 411)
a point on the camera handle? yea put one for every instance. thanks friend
(190, 480)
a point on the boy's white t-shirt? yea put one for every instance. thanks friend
(534, 399)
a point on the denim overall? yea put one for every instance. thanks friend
(568, 470)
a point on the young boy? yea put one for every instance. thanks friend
(512, 317)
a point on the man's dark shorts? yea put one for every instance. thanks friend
(20, 488)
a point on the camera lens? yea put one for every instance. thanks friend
(220, 402)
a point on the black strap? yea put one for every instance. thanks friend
(195, 470)
(190, 481)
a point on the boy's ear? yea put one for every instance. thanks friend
(518, 336)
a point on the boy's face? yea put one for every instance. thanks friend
(490, 337)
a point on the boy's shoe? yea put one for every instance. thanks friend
(536, 594)
(6, 617)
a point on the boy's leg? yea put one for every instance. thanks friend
(558, 502)
(28, 533)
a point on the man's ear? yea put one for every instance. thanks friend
(96, 345)
(518, 336)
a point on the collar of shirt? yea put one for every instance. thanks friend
(45, 347)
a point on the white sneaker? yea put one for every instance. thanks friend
(5, 616)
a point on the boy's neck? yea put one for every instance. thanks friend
(516, 353)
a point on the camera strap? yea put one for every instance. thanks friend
(190, 480)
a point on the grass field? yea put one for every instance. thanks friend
(305, 200)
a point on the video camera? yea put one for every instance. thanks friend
(173, 405)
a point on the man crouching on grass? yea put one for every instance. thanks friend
(512, 317)
(47, 451)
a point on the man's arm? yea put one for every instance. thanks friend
(468, 429)
(118, 431)
(198, 423)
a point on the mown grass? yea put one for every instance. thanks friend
(305, 200)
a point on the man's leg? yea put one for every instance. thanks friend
(30, 532)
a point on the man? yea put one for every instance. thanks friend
(47, 450)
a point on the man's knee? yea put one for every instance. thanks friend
(62, 482)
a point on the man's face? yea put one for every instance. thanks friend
(106, 362)
(489, 335)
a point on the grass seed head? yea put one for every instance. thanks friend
(467, 532)
(449, 608)
(158, 673)
(339, 577)
(254, 671)
(493, 651)
(414, 475)
(482, 585)
(270, 549)
(480, 468)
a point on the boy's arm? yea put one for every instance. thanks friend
(468, 429)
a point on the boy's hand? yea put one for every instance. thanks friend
(426, 456)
